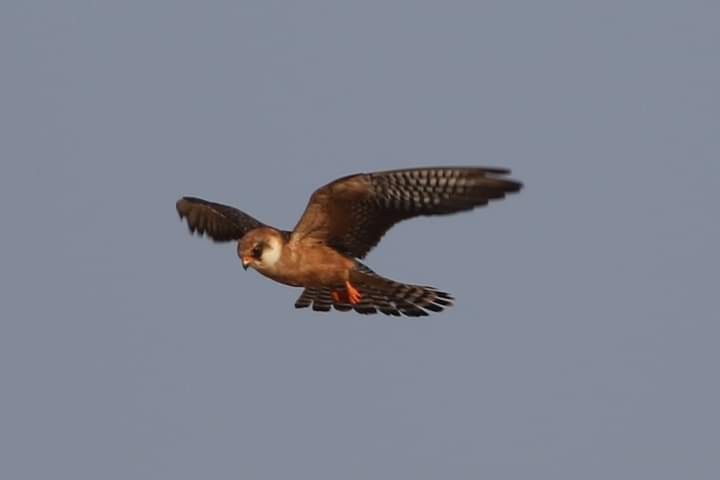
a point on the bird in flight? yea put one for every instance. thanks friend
(342, 222)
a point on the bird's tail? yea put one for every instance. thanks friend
(378, 294)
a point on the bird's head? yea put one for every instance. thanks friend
(260, 249)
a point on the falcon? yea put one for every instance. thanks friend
(342, 222)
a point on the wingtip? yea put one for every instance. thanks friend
(179, 207)
(495, 170)
(515, 186)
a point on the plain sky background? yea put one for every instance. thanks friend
(584, 343)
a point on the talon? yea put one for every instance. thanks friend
(353, 294)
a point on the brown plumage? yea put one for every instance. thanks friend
(342, 222)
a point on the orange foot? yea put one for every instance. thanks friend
(350, 295)
(353, 293)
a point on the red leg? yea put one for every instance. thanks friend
(353, 294)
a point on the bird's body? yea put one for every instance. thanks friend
(298, 263)
(342, 222)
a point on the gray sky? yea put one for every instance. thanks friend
(584, 343)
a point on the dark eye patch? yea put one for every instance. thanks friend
(257, 251)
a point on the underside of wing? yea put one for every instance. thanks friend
(353, 213)
(221, 223)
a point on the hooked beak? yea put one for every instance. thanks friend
(245, 262)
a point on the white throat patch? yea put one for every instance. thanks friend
(271, 253)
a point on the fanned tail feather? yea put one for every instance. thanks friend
(379, 294)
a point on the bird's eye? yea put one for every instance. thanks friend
(257, 251)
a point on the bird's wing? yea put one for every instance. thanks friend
(219, 222)
(352, 213)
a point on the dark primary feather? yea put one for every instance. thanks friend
(402, 194)
(361, 208)
(219, 222)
